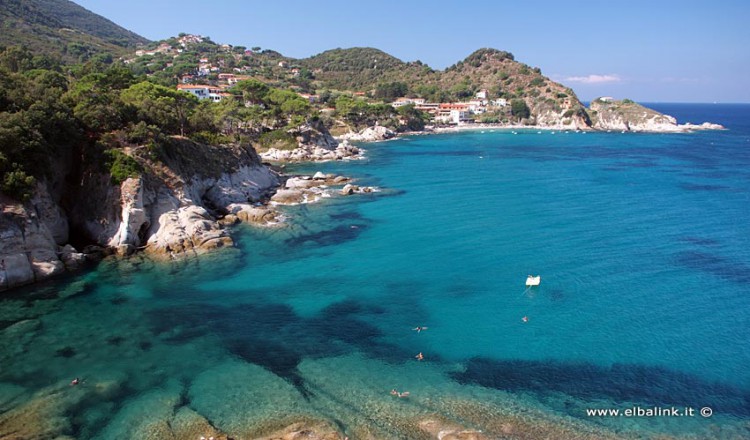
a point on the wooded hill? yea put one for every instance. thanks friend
(62, 29)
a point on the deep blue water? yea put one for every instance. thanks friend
(641, 241)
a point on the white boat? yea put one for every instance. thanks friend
(533, 281)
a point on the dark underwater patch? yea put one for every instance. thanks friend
(715, 265)
(621, 383)
(340, 321)
(347, 215)
(338, 235)
(66, 352)
(695, 187)
(556, 295)
(440, 153)
(115, 340)
(700, 241)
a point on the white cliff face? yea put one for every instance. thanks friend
(175, 221)
(28, 250)
(133, 216)
(550, 118)
(50, 214)
(247, 184)
(629, 116)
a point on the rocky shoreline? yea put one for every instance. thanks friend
(182, 207)
(175, 209)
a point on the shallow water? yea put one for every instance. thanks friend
(640, 239)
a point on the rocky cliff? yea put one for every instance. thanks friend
(173, 208)
(626, 115)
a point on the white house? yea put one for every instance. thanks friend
(482, 94)
(201, 91)
(400, 102)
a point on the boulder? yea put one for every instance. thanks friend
(288, 197)
(189, 229)
(301, 182)
(15, 270)
(260, 215)
(71, 258)
(349, 189)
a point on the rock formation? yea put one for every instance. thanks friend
(172, 209)
(32, 241)
(370, 134)
(626, 115)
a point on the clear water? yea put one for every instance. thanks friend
(641, 241)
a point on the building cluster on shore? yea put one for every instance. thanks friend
(212, 79)
(455, 112)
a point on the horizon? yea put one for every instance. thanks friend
(591, 53)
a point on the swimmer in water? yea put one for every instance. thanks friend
(419, 329)
(420, 356)
(525, 319)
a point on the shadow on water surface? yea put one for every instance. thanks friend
(626, 383)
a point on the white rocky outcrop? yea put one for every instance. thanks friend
(613, 115)
(28, 249)
(311, 153)
(704, 126)
(306, 189)
(350, 189)
(370, 134)
(175, 221)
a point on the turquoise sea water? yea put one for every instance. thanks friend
(641, 241)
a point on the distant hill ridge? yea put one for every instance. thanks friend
(62, 28)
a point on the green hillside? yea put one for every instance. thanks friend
(62, 28)
(362, 68)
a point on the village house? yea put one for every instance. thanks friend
(201, 91)
(400, 102)
(453, 113)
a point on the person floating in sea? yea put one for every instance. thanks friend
(75, 381)
(399, 394)
(419, 329)
(420, 356)
(525, 319)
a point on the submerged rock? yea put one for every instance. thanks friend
(239, 398)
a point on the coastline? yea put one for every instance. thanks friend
(221, 393)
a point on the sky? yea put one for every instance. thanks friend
(648, 51)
